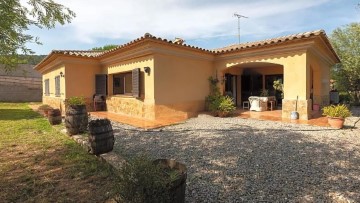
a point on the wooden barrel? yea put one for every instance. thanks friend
(54, 116)
(76, 119)
(101, 136)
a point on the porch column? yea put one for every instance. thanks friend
(297, 85)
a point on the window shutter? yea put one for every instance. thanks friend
(101, 84)
(47, 89)
(136, 82)
(57, 86)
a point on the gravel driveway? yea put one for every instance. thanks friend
(246, 160)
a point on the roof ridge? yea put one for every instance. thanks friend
(226, 49)
(153, 37)
(269, 41)
(74, 50)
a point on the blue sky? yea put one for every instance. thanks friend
(204, 23)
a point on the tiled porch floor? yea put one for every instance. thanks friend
(139, 122)
(275, 115)
(317, 118)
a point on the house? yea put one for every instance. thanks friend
(153, 78)
(23, 84)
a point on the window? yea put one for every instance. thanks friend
(57, 86)
(47, 88)
(127, 83)
(101, 84)
(122, 83)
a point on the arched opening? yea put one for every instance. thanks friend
(251, 79)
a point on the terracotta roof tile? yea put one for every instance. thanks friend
(79, 53)
(152, 37)
(235, 47)
(277, 40)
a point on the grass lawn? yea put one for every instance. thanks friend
(40, 164)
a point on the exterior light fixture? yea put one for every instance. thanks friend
(147, 70)
(62, 74)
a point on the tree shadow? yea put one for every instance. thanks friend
(18, 114)
(245, 164)
(58, 174)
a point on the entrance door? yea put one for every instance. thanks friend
(251, 85)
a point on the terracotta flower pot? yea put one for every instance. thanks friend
(336, 122)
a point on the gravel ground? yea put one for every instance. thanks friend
(246, 160)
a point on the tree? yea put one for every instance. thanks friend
(346, 42)
(17, 18)
(105, 48)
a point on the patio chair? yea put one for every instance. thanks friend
(258, 103)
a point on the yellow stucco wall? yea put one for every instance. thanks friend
(80, 78)
(126, 104)
(320, 77)
(181, 83)
(50, 75)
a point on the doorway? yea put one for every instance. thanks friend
(251, 85)
(231, 86)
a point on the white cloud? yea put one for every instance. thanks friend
(169, 18)
(204, 23)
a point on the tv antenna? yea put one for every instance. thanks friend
(239, 16)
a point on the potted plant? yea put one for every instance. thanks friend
(218, 104)
(222, 106)
(144, 180)
(76, 117)
(226, 106)
(264, 93)
(336, 115)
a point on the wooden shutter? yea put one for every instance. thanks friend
(57, 86)
(47, 89)
(136, 82)
(101, 84)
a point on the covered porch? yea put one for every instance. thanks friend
(305, 82)
(253, 79)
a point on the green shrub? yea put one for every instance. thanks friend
(279, 86)
(341, 111)
(226, 104)
(143, 181)
(217, 103)
(75, 101)
(344, 97)
(214, 89)
(222, 104)
(214, 102)
(214, 93)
